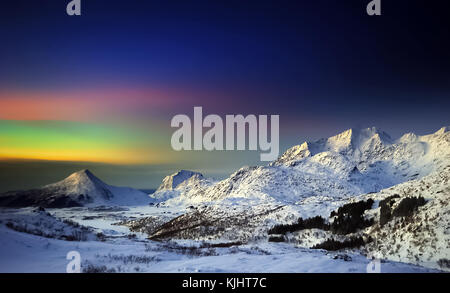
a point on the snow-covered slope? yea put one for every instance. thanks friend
(424, 237)
(39, 222)
(25, 253)
(182, 185)
(79, 189)
(420, 238)
(350, 163)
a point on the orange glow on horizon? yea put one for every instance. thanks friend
(80, 105)
(103, 156)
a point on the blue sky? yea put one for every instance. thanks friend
(323, 66)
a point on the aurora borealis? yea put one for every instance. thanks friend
(99, 90)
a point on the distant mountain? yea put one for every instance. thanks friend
(79, 189)
(356, 161)
(181, 183)
(172, 181)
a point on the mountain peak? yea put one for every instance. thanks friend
(346, 141)
(356, 137)
(83, 177)
(84, 172)
(443, 130)
(356, 133)
(175, 179)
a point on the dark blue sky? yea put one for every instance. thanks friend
(324, 66)
(326, 56)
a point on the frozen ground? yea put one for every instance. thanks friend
(25, 252)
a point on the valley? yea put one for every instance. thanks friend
(333, 205)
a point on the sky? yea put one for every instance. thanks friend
(98, 90)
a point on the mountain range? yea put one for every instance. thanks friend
(387, 198)
(360, 189)
(350, 163)
(356, 161)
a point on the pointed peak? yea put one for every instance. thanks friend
(305, 145)
(81, 182)
(408, 137)
(175, 179)
(369, 131)
(344, 138)
(186, 172)
(361, 134)
(83, 177)
(346, 133)
(84, 172)
(443, 130)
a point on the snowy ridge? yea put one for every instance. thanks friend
(350, 163)
(351, 142)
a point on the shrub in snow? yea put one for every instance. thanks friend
(93, 269)
(316, 222)
(353, 208)
(385, 208)
(349, 218)
(444, 263)
(276, 239)
(331, 244)
(408, 206)
(405, 208)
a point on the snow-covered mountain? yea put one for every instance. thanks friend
(343, 200)
(356, 161)
(79, 189)
(317, 178)
(173, 181)
(182, 184)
